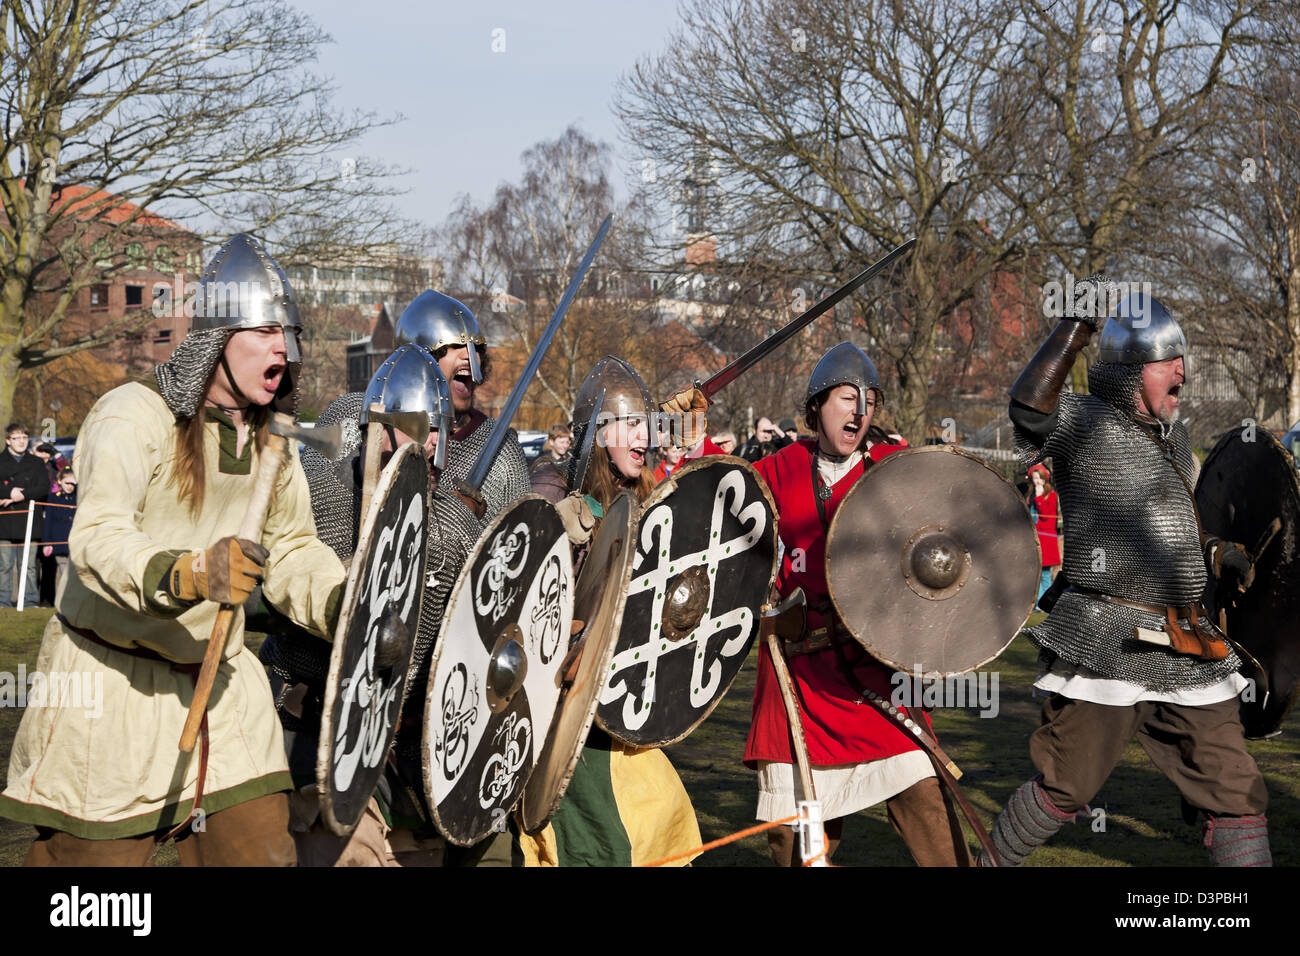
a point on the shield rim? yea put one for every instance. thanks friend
(325, 743)
(528, 822)
(426, 745)
(856, 489)
(1221, 443)
(656, 496)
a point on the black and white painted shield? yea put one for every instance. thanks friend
(494, 677)
(1248, 492)
(374, 641)
(598, 608)
(706, 557)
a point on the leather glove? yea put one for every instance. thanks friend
(688, 413)
(1232, 565)
(1092, 298)
(226, 573)
(578, 520)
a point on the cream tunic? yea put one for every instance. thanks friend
(111, 767)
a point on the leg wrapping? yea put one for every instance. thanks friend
(1238, 841)
(1027, 821)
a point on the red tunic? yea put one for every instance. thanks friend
(839, 728)
(1048, 539)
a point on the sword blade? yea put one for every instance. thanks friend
(733, 371)
(502, 424)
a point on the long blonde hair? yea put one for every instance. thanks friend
(189, 468)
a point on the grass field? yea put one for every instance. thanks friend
(1143, 823)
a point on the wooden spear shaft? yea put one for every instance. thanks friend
(792, 713)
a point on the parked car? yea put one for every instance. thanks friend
(1291, 442)
(532, 443)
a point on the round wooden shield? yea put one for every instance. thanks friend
(706, 557)
(932, 561)
(382, 599)
(1247, 483)
(512, 603)
(598, 603)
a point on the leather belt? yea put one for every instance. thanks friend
(816, 640)
(1157, 609)
(1199, 639)
(192, 670)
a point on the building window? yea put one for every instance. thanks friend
(162, 336)
(134, 296)
(135, 254)
(163, 261)
(102, 253)
(99, 296)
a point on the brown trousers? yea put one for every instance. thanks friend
(254, 833)
(921, 815)
(1201, 749)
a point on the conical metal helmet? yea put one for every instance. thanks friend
(1141, 331)
(434, 320)
(845, 364)
(244, 288)
(409, 380)
(612, 391)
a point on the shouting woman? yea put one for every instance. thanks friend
(167, 468)
(859, 757)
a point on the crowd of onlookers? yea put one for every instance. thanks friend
(41, 476)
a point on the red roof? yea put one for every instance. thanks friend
(104, 206)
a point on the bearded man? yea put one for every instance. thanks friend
(1127, 647)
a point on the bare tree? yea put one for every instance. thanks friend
(1237, 244)
(119, 111)
(1115, 101)
(512, 260)
(833, 130)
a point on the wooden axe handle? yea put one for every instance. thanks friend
(268, 470)
(370, 471)
(792, 714)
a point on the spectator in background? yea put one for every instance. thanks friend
(557, 447)
(53, 463)
(764, 430)
(878, 435)
(22, 479)
(1046, 512)
(726, 440)
(58, 525)
(672, 457)
(787, 433)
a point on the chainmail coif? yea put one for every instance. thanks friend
(183, 379)
(1131, 532)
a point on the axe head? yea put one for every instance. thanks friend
(415, 425)
(326, 440)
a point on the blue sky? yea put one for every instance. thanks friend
(470, 111)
